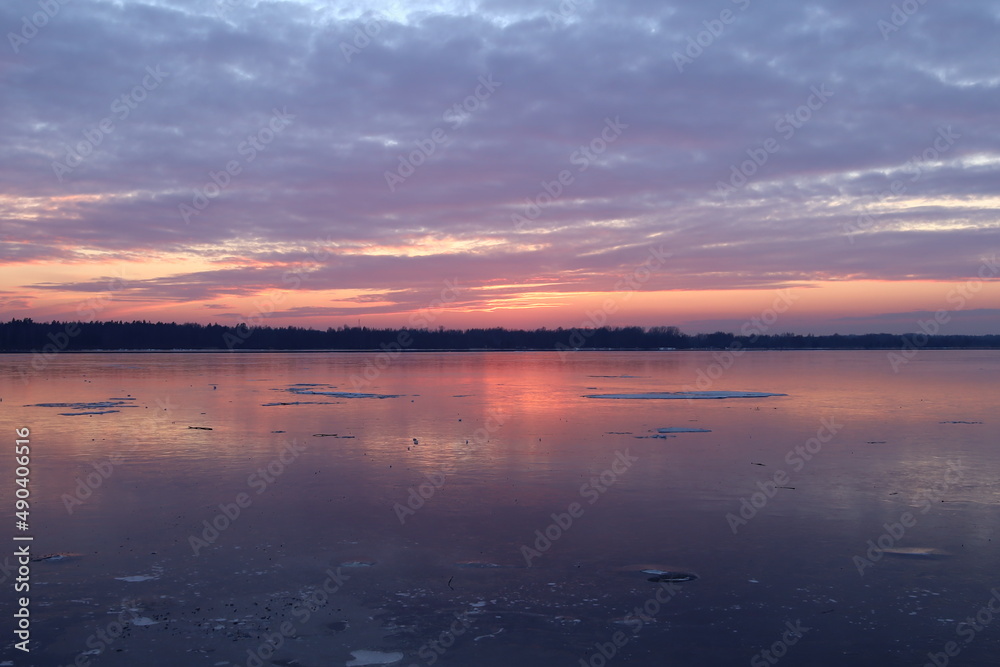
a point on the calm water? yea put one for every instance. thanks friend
(498, 443)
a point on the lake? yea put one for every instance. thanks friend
(494, 509)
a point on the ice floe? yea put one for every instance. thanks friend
(675, 577)
(311, 390)
(917, 552)
(688, 395)
(682, 429)
(660, 573)
(271, 405)
(93, 408)
(373, 658)
(49, 558)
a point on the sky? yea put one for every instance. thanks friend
(818, 167)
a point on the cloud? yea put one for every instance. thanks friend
(857, 187)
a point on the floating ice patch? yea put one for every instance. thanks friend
(144, 620)
(682, 429)
(271, 405)
(688, 394)
(660, 573)
(48, 558)
(917, 552)
(137, 577)
(307, 391)
(663, 575)
(94, 408)
(358, 563)
(347, 394)
(373, 658)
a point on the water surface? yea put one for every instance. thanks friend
(497, 443)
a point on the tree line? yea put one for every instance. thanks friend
(26, 335)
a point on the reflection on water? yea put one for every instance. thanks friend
(480, 508)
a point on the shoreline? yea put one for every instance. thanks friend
(484, 350)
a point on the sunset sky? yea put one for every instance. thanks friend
(502, 163)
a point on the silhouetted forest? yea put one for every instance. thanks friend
(27, 335)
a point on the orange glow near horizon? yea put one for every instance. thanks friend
(490, 305)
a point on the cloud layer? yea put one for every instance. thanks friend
(521, 146)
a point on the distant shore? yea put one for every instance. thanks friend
(47, 338)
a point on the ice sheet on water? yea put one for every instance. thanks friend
(688, 395)
(373, 658)
(271, 405)
(92, 408)
(917, 552)
(326, 390)
(682, 429)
